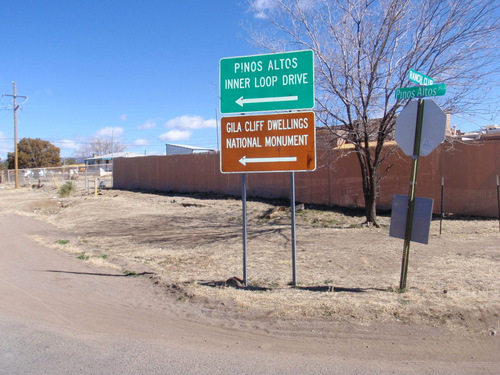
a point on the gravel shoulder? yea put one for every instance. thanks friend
(188, 246)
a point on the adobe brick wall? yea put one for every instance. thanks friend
(469, 172)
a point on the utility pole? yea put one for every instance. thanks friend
(15, 96)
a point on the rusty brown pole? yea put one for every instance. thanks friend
(16, 162)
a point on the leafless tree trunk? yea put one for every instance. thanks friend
(364, 50)
(99, 146)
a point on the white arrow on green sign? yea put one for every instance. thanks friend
(420, 78)
(420, 91)
(272, 82)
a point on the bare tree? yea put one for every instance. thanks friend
(364, 50)
(99, 146)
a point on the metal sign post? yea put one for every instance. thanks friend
(276, 142)
(244, 217)
(417, 138)
(442, 206)
(411, 201)
(498, 201)
(294, 242)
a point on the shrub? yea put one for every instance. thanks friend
(68, 188)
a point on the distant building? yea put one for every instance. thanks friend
(172, 149)
(486, 133)
(340, 135)
(491, 132)
(106, 161)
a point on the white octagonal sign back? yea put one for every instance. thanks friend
(433, 127)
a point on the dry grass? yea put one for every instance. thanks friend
(346, 272)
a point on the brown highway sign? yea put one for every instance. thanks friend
(268, 143)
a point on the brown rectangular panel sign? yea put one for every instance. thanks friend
(268, 143)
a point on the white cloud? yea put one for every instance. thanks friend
(149, 124)
(183, 127)
(261, 6)
(6, 145)
(123, 117)
(66, 144)
(175, 135)
(141, 142)
(110, 132)
(190, 122)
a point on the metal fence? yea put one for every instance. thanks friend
(85, 177)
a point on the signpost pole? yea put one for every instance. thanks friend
(292, 208)
(442, 206)
(265, 143)
(498, 201)
(244, 214)
(411, 200)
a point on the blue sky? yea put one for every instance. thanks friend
(145, 72)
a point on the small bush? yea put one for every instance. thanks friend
(68, 188)
(83, 256)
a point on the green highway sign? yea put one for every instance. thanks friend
(420, 91)
(420, 78)
(272, 82)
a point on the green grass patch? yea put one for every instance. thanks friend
(396, 290)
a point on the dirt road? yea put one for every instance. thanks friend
(59, 315)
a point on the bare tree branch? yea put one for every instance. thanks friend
(99, 146)
(364, 50)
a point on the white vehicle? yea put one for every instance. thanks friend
(39, 173)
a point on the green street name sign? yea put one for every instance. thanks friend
(420, 78)
(273, 82)
(420, 92)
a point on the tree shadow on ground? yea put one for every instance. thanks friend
(237, 283)
(337, 289)
(233, 284)
(125, 274)
(177, 230)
